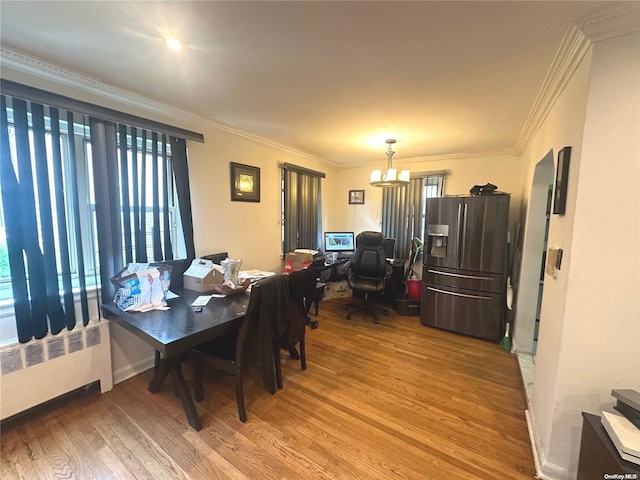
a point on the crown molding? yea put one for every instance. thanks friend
(40, 69)
(568, 57)
(611, 20)
(268, 143)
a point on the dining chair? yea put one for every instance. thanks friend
(250, 345)
(302, 285)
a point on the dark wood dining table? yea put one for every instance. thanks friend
(174, 332)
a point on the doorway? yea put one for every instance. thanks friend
(542, 266)
(529, 292)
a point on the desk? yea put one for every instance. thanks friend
(333, 271)
(176, 331)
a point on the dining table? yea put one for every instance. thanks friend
(174, 331)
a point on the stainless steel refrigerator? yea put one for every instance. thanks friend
(464, 264)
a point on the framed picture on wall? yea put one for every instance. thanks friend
(356, 197)
(245, 183)
(562, 180)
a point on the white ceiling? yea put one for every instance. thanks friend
(333, 79)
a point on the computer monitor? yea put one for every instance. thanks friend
(339, 242)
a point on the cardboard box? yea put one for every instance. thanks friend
(298, 260)
(202, 275)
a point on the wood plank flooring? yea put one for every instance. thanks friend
(393, 400)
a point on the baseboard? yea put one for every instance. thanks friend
(544, 470)
(132, 370)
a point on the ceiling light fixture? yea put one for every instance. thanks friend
(174, 44)
(391, 178)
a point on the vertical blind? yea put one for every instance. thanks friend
(125, 190)
(403, 209)
(302, 208)
(53, 208)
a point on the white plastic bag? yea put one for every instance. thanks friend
(141, 287)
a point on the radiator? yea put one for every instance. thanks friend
(41, 370)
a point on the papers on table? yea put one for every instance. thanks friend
(201, 301)
(254, 275)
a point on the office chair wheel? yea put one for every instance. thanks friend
(313, 324)
(348, 316)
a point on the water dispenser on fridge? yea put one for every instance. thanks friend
(437, 240)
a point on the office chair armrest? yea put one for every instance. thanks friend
(347, 266)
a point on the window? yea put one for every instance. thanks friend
(144, 213)
(301, 208)
(5, 273)
(80, 198)
(404, 209)
(86, 221)
(432, 187)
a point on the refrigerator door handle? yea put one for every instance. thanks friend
(458, 275)
(459, 239)
(463, 243)
(475, 297)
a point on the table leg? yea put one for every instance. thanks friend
(185, 397)
(174, 366)
(158, 377)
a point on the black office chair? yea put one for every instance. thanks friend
(367, 271)
(237, 352)
(216, 257)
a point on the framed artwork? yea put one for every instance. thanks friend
(356, 197)
(245, 183)
(562, 179)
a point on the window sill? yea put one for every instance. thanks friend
(8, 331)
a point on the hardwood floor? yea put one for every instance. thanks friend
(394, 400)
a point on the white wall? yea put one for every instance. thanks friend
(563, 127)
(589, 332)
(247, 230)
(506, 171)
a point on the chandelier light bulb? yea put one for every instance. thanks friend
(391, 178)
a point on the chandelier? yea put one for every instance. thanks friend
(391, 178)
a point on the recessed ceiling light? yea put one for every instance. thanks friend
(174, 44)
